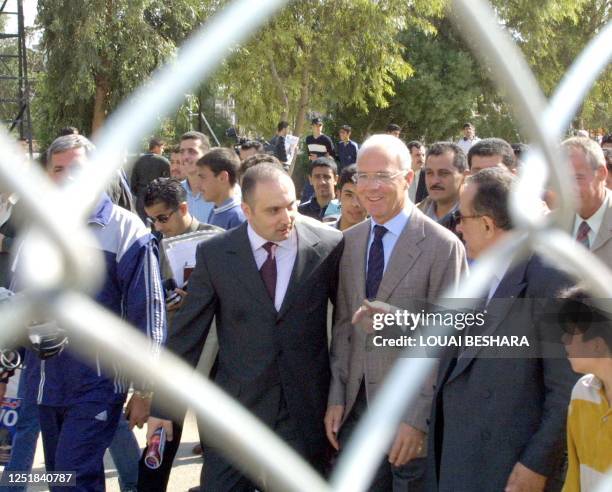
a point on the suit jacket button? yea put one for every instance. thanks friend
(485, 435)
(428, 421)
(486, 394)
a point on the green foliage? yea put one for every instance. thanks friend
(318, 54)
(103, 47)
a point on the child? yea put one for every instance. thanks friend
(588, 342)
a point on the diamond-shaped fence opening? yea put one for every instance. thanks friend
(59, 285)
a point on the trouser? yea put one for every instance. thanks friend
(26, 435)
(75, 438)
(409, 477)
(219, 475)
(125, 452)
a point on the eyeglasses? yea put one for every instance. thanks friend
(459, 217)
(162, 219)
(382, 178)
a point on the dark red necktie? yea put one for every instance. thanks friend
(268, 269)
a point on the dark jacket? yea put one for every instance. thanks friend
(490, 413)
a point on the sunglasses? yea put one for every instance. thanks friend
(458, 216)
(162, 219)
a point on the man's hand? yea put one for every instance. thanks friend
(333, 418)
(154, 423)
(2, 391)
(363, 317)
(522, 479)
(175, 307)
(137, 411)
(407, 445)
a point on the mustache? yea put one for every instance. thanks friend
(437, 187)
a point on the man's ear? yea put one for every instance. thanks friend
(183, 208)
(246, 210)
(489, 225)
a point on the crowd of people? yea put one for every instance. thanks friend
(383, 221)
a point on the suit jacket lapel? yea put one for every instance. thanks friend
(306, 259)
(242, 262)
(403, 257)
(358, 257)
(605, 231)
(510, 287)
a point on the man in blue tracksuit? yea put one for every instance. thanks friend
(79, 404)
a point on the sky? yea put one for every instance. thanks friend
(29, 12)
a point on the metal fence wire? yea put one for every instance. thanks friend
(60, 272)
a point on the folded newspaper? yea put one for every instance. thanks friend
(181, 253)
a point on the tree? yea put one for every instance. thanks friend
(98, 51)
(317, 55)
(449, 86)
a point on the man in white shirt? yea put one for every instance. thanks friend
(469, 137)
(268, 282)
(593, 222)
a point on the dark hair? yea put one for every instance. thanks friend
(257, 159)
(493, 186)
(68, 130)
(608, 156)
(606, 139)
(324, 162)
(467, 125)
(252, 144)
(193, 135)
(175, 149)
(346, 175)
(221, 159)
(459, 157)
(156, 142)
(281, 126)
(165, 190)
(519, 149)
(256, 174)
(493, 146)
(346, 128)
(578, 313)
(414, 144)
(392, 127)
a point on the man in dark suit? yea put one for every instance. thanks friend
(268, 283)
(499, 423)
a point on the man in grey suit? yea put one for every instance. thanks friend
(268, 283)
(397, 256)
(499, 423)
(593, 222)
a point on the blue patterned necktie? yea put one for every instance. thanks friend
(376, 262)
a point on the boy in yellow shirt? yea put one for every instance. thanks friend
(588, 342)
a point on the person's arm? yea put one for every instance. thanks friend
(190, 328)
(572, 479)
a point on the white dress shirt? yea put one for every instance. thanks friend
(285, 255)
(594, 221)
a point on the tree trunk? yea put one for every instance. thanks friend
(280, 86)
(303, 103)
(301, 111)
(103, 84)
(100, 103)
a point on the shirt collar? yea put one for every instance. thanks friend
(189, 190)
(257, 241)
(396, 224)
(231, 202)
(102, 212)
(594, 220)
